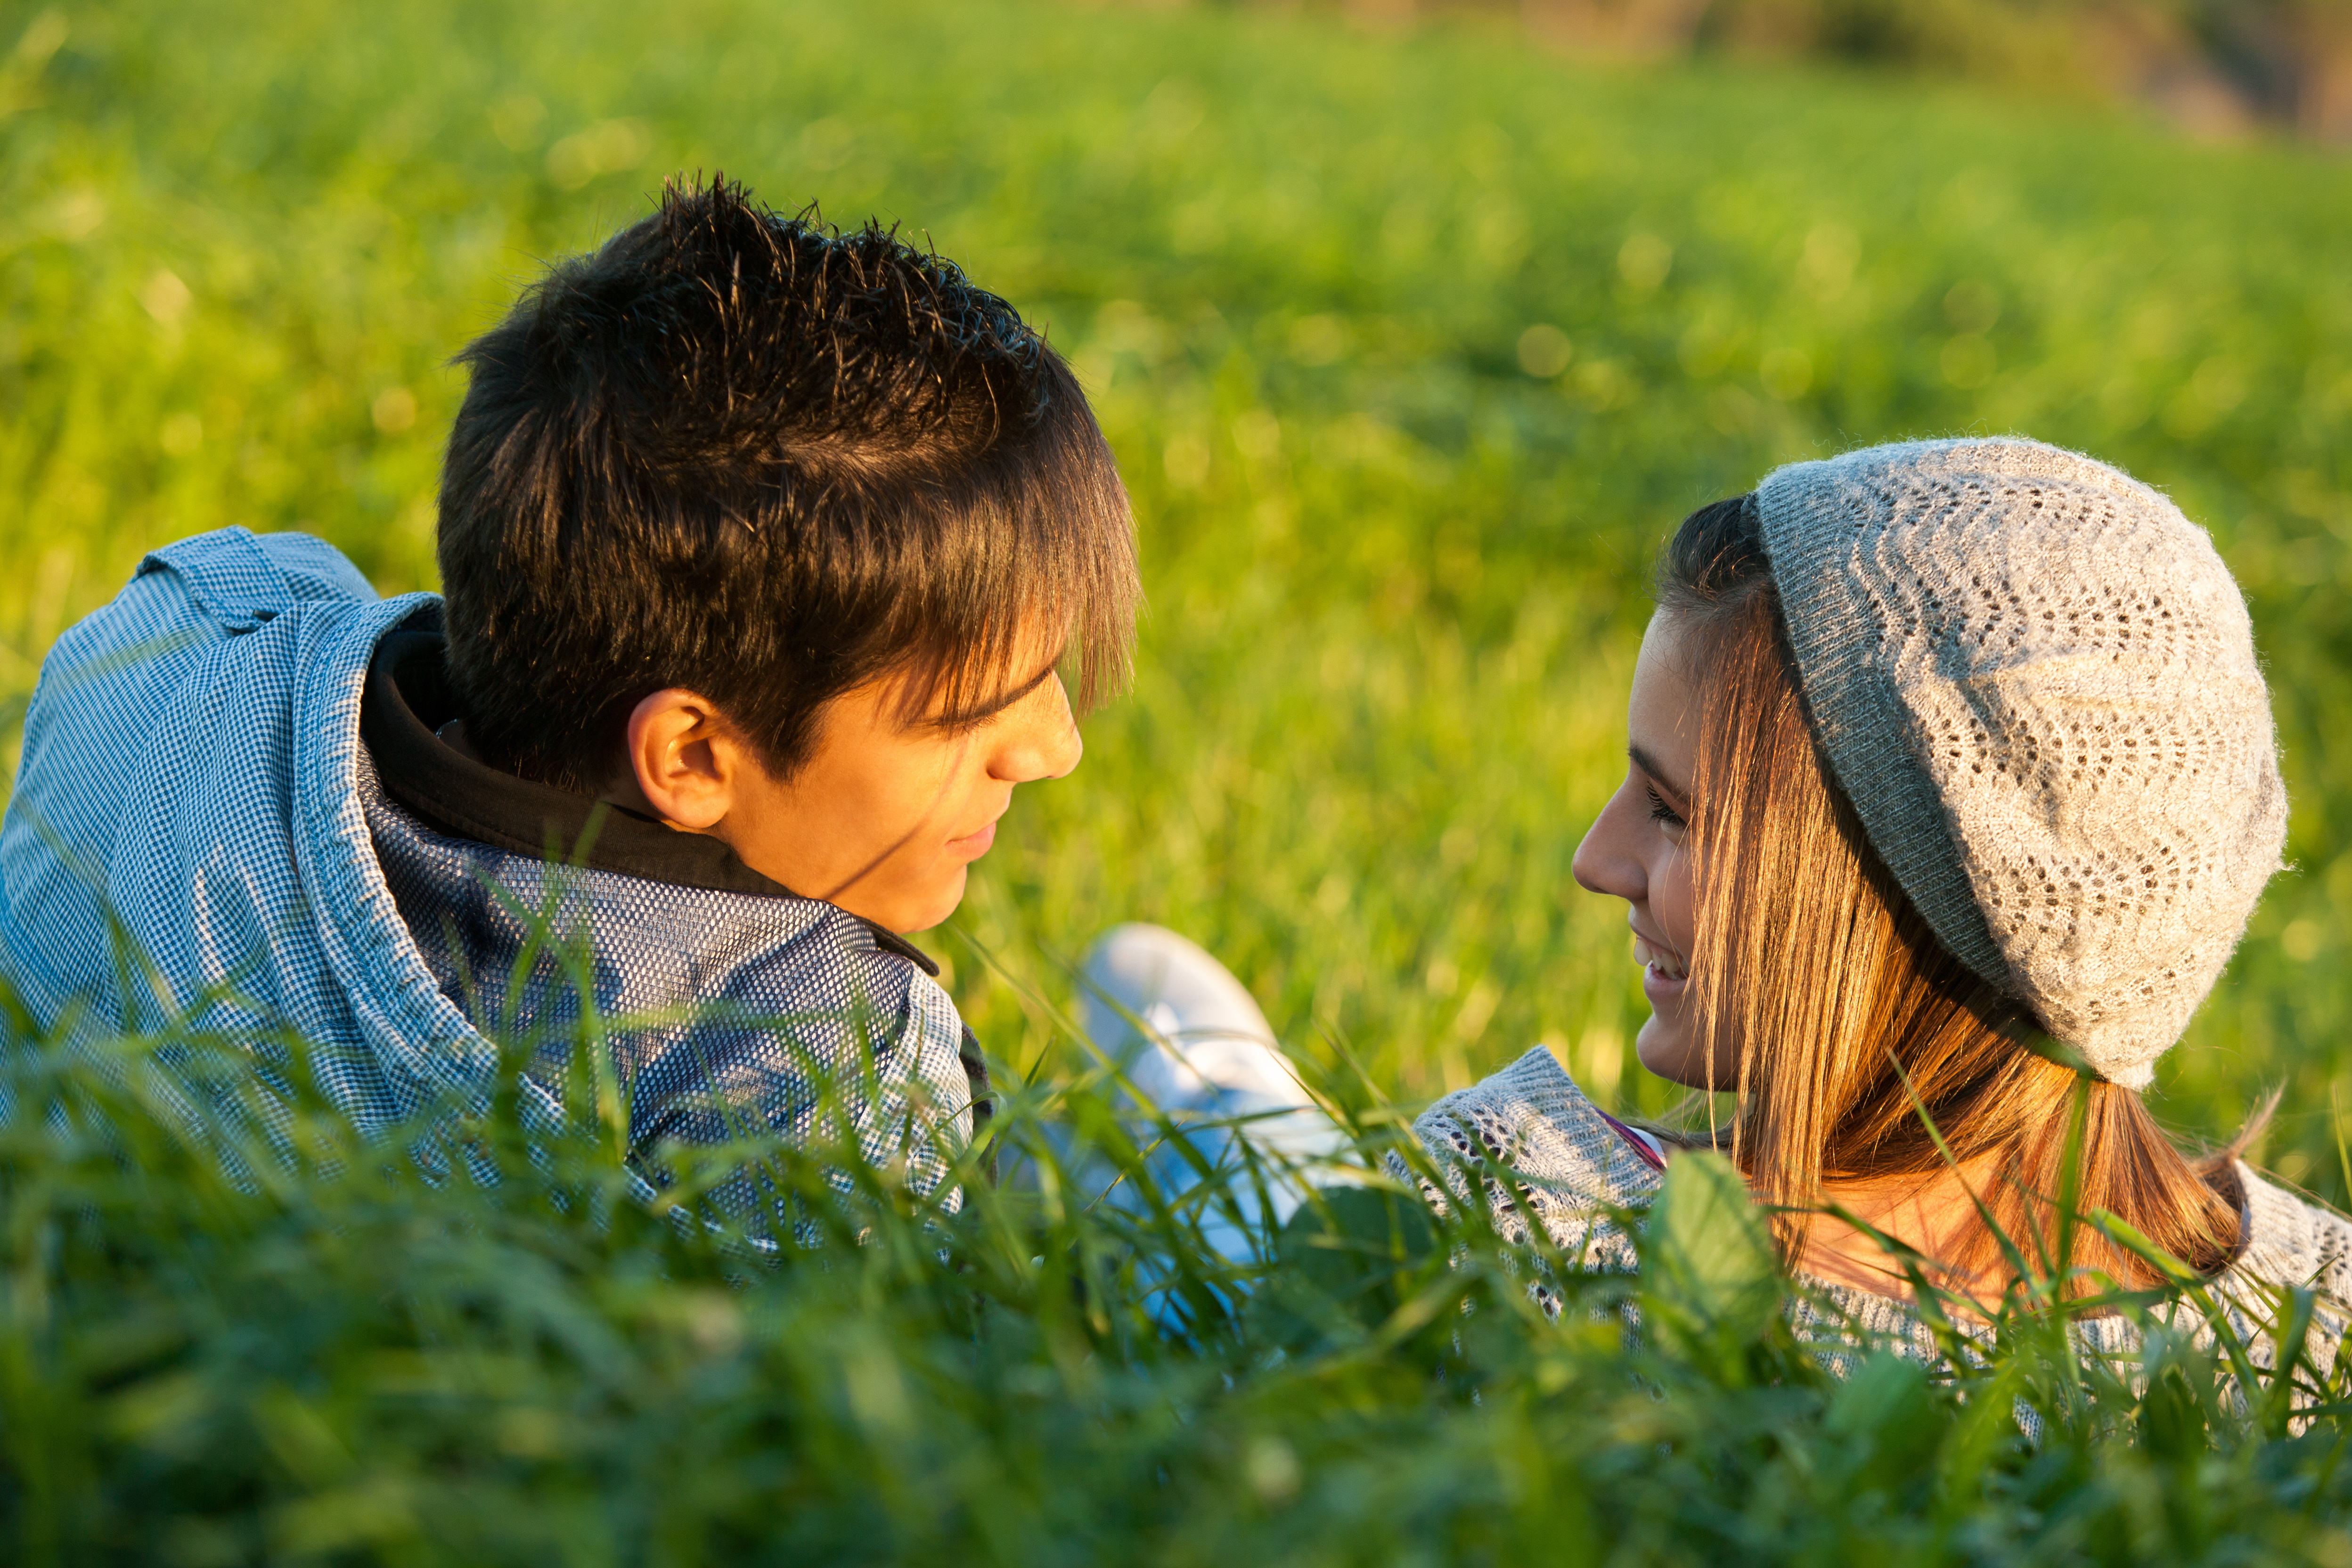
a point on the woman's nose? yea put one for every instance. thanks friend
(1607, 861)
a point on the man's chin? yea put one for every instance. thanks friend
(924, 913)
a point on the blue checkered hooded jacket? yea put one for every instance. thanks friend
(195, 788)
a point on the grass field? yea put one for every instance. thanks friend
(1410, 348)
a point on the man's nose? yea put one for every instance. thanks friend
(1044, 743)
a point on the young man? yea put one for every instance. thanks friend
(762, 547)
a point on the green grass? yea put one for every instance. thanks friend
(349, 1356)
(1394, 550)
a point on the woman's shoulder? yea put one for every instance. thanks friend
(2292, 1241)
(1532, 1120)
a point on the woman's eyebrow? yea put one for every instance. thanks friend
(1649, 764)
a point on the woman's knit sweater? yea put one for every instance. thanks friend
(1574, 1170)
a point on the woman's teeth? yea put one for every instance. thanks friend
(1668, 966)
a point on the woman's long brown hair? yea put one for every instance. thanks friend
(1849, 1027)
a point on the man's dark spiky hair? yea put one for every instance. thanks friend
(769, 461)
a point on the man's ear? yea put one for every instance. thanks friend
(686, 761)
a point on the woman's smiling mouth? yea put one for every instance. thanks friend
(1664, 971)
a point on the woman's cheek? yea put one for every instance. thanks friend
(1673, 900)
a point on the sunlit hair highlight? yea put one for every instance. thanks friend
(1848, 1027)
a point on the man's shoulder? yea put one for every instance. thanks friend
(150, 685)
(202, 592)
(184, 787)
(239, 578)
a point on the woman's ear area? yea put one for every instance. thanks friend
(684, 761)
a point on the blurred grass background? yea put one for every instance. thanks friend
(1412, 345)
(2215, 67)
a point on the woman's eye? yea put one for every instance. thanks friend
(1659, 812)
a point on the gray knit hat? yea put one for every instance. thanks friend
(2036, 682)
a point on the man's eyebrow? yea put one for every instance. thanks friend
(998, 703)
(1649, 764)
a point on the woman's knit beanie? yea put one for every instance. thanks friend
(2036, 682)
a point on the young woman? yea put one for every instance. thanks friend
(1948, 762)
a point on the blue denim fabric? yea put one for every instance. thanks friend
(194, 792)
